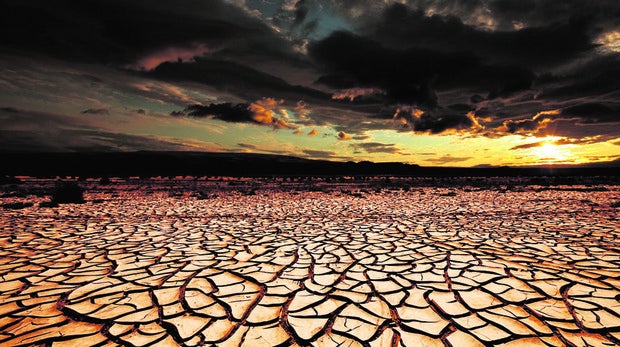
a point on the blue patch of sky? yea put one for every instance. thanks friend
(320, 11)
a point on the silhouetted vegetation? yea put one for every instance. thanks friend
(47, 204)
(67, 193)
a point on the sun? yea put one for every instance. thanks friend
(549, 153)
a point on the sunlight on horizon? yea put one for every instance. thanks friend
(551, 153)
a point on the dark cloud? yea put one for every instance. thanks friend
(377, 147)
(14, 118)
(141, 35)
(410, 75)
(448, 159)
(401, 26)
(585, 140)
(354, 61)
(513, 15)
(524, 125)
(252, 147)
(319, 154)
(533, 13)
(24, 130)
(122, 32)
(96, 111)
(259, 112)
(247, 145)
(9, 109)
(530, 126)
(408, 118)
(594, 112)
(528, 145)
(563, 141)
(76, 140)
(301, 12)
(596, 78)
(228, 112)
(462, 108)
(416, 59)
(436, 125)
(94, 140)
(234, 78)
(310, 27)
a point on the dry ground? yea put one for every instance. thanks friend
(414, 267)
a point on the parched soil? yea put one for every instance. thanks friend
(375, 267)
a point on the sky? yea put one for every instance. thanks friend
(430, 82)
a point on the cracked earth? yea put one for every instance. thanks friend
(421, 267)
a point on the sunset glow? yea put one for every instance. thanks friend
(423, 82)
(550, 153)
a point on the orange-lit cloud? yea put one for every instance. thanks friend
(278, 123)
(343, 136)
(263, 112)
(475, 121)
(353, 93)
(404, 115)
(170, 54)
(297, 132)
(533, 126)
(313, 132)
(302, 111)
(283, 113)
(610, 41)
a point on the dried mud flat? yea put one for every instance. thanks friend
(420, 267)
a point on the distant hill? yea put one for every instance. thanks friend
(246, 164)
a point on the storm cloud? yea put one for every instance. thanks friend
(123, 32)
(488, 69)
(259, 112)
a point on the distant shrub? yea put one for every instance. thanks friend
(104, 180)
(67, 193)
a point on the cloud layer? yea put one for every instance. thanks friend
(481, 68)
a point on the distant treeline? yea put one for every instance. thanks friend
(150, 164)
